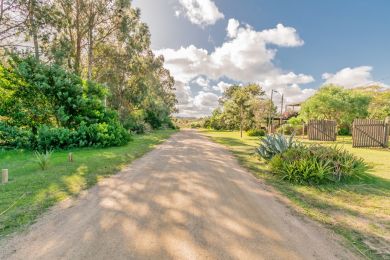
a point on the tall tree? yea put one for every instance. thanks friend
(237, 100)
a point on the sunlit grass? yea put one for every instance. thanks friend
(31, 191)
(359, 210)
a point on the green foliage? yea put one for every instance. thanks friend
(95, 135)
(43, 159)
(255, 132)
(110, 46)
(47, 94)
(379, 107)
(243, 107)
(316, 165)
(290, 129)
(293, 126)
(196, 125)
(47, 107)
(295, 121)
(272, 145)
(336, 103)
(343, 131)
(11, 136)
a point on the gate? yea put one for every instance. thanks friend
(322, 130)
(370, 133)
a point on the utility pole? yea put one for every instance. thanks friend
(270, 113)
(281, 111)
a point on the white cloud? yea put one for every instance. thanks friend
(352, 77)
(183, 93)
(282, 36)
(247, 56)
(203, 82)
(221, 86)
(200, 12)
(206, 99)
(232, 28)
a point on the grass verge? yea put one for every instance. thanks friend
(31, 191)
(359, 211)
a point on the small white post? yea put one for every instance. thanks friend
(70, 157)
(4, 176)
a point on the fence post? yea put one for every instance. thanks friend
(387, 125)
(4, 176)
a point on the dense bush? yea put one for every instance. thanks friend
(46, 107)
(316, 164)
(272, 145)
(255, 132)
(290, 130)
(343, 131)
(11, 136)
(96, 135)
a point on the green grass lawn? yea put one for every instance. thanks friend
(31, 191)
(360, 210)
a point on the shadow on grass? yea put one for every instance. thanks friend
(31, 191)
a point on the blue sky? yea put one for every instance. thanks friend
(291, 46)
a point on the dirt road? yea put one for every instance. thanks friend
(187, 199)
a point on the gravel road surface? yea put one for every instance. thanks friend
(187, 199)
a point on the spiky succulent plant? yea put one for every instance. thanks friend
(272, 145)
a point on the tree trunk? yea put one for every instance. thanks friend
(241, 120)
(33, 27)
(78, 39)
(90, 47)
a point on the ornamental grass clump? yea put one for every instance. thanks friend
(317, 165)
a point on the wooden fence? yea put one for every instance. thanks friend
(322, 130)
(370, 133)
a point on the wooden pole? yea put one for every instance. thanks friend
(70, 157)
(4, 176)
(281, 114)
(270, 114)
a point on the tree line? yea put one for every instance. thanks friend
(247, 108)
(68, 65)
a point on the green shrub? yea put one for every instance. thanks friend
(343, 131)
(316, 165)
(96, 135)
(291, 129)
(14, 137)
(255, 132)
(54, 138)
(272, 145)
(196, 125)
(46, 107)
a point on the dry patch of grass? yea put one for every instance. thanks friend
(359, 210)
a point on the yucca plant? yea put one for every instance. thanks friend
(43, 158)
(272, 145)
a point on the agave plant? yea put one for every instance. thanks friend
(272, 145)
(43, 159)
